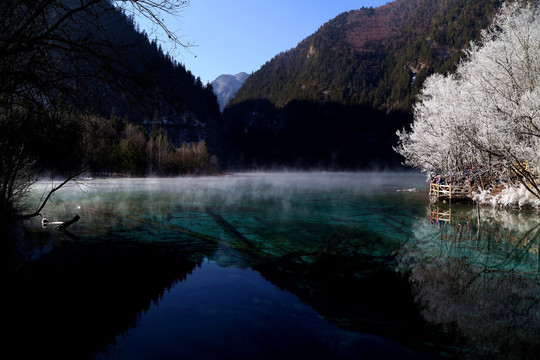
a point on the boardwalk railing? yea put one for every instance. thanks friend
(437, 215)
(450, 191)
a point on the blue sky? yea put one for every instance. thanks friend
(231, 36)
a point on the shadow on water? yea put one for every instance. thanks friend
(76, 297)
(386, 277)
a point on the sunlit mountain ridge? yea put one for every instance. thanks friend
(337, 99)
(376, 56)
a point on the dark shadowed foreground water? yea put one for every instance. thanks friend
(272, 266)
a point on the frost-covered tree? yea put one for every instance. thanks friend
(487, 114)
(435, 143)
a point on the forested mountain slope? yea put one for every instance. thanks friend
(89, 56)
(361, 72)
(376, 56)
(81, 89)
(142, 83)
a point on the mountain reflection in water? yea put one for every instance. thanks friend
(289, 265)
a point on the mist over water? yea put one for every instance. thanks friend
(277, 265)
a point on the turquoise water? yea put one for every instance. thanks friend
(275, 265)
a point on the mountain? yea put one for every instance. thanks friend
(94, 59)
(360, 71)
(78, 79)
(146, 86)
(225, 86)
(377, 56)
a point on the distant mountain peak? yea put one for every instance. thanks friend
(241, 76)
(225, 87)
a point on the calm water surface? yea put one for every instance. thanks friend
(273, 266)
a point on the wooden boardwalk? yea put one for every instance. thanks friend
(437, 215)
(450, 192)
(462, 190)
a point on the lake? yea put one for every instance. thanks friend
(272, 266)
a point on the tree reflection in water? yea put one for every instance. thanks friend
(76, 297)
(476, 273)
(332, 243)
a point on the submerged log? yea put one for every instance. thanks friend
(67, 223)
(228, 228)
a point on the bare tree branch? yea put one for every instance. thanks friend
(54, 56)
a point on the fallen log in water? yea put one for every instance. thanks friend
(177, 228)
(228, 228)
(67, 223)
